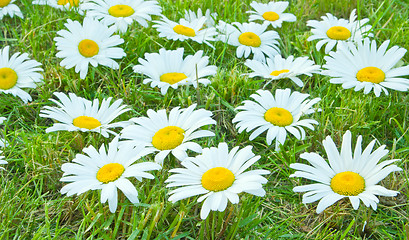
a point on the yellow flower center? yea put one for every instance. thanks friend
(88, 48)
(8, 78)
(278, 72)
(4, 3)
(250, 39)
(172, 77)
(121, 10)
(217, 179)
(271, 16)
(168, 138)
(370, 74)
(338, 33)
(86, 122)
(110, 172)
(73, 3)
(348, 183)
(278, 116)
(183, 30)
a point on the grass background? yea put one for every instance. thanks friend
(32, 207)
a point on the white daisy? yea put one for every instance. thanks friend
(63, 5)
(108, 171)
(210, 17)
(1, 160)
(91, 43)
(186, 30)
(18, 72)
(250, 38)
(279, 68)
(163, 134)
(121, 13)
(272, 13)
(363, 66)
(276, 115)
(79, 114)
(169, 69)
(218, 176)
(8, 8)
(332, 30)
(354, 176)
(3, 142)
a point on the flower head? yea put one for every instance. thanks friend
(79, 114)
(191, 16)
(276, 114)
(218, 175)
(8, 8)
(352, 175)
(91, 43)
(271, 13)
(64, 5)
(17, 72)
(107, 170)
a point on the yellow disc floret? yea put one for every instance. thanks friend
(278, 116)
(4, 3)
(86, 122)
(172, 77)
(121, 10)
(217, 179)
(88, 48)
(339, 33)
(250, 39)
(348, 183)
(278, 72)
(168, 138)
(370, 74)
(8, 78)
(73, 3)
(183, 30)
(271, 16)
(110, 172)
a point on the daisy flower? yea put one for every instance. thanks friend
(364, 66)
(354, 176)
(18, 72)
(1, 160)
(169, 69)
(332, 30)
(107, 170)
(210, 17)
(3, 142)
(8, 8)
(279, 68)
(91, 43)
(250, 38)
(163, 134)
(121, 13)
(186, 30)
(79, 114)
(218, 175)
(63, 5)
(277, 115)
(272, 13)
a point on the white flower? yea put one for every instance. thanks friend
(272, 13)
(121, 13)
(186, 30)
(91, 43)
(107, 170)
(364, 66)
(79, 114)
(8, 8)
(210, 17)
(353, 176)
(250, 38)
(18, 72)
(218, 176)
(64, 5)
(3, 142)
(276, 115)
(279, 68)
(163, 134)
(332, 30)
(169, 69)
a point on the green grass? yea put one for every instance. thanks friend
(32, 207)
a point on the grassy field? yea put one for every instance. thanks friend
(32, 206)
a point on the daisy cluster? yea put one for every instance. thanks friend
(216, 173)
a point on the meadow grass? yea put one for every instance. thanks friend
(33, 208)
